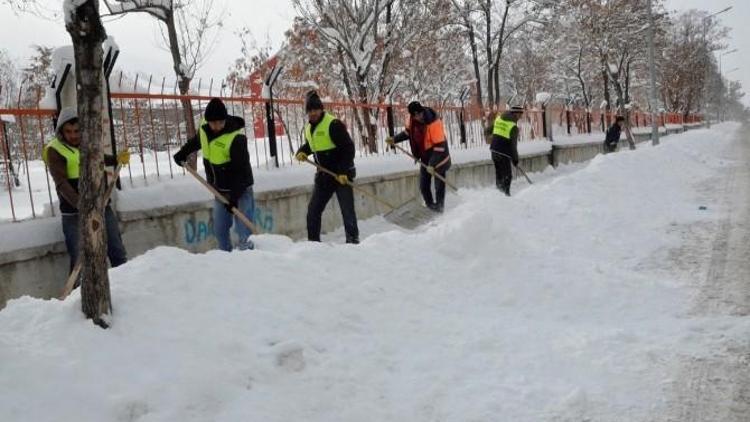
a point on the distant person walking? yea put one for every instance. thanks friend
(613, 135)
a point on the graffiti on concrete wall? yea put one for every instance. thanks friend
(199, 230)
(264, 219)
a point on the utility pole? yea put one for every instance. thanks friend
(706, 21)
(652, 71)
(720, 111)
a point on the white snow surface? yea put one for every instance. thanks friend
(543, 97)
(552, 305)
(69, 9)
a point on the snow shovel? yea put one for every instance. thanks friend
(517, 167)
(349, 182)
(436, 174)
(237, 213)
(73, 277)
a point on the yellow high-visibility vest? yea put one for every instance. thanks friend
(502, 127)
(71, 155)
(217, 151)
(320, 140)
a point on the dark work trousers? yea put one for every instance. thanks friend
(325, 187)
(115, 249)
(425, 179)
(503, 172)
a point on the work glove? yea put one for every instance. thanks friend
(343, 179)
(430, 169)
(123, 158)
(390, 141)
(301, 156)
(180, 161)
(231, 203)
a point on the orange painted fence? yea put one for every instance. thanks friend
(152, 126)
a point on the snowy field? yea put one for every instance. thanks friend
(558, 304)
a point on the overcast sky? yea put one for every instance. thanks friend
(738, 20)
(138, 37)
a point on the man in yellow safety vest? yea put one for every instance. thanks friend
(328, 141)
(504, 147)
(223, 144)
(63, 159)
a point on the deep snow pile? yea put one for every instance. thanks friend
(556, 304)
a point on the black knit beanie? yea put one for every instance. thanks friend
(415, 107)
(313, 102)
(216, 110)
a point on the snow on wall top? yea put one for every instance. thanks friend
(543, 97)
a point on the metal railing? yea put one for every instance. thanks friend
(153, 127)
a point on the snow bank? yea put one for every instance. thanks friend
(551, 305)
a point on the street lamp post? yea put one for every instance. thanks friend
(652, 75)
(723, 112)
(652, 71)
(720, 112)
(706, 21)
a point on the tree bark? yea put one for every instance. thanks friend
(487, 10)
(605, 87)
(183, 82)
(87, 33)
(475, 61)
(623, 111)
(370, 128)
(348, 86)
(499, 53)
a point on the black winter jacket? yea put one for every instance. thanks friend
(508, 147)
(613, 134)
(234, 177)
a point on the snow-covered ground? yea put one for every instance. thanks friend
(558, 304)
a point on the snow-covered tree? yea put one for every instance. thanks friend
(361, 37)
(489, 26)
(687, 63)
(9, 78)
(84, 25)
(189, 31)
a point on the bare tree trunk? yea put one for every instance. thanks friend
(87, 33)
(586, 96)
(499, 54)
(605, 86)
(464, 11)
(387, 47)
(475, 60)
(371, 130)
(496, 77)
(623, 111)
(183, 82)
(487, 11)
(348, 87)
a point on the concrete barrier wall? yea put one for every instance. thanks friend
(41, 271)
